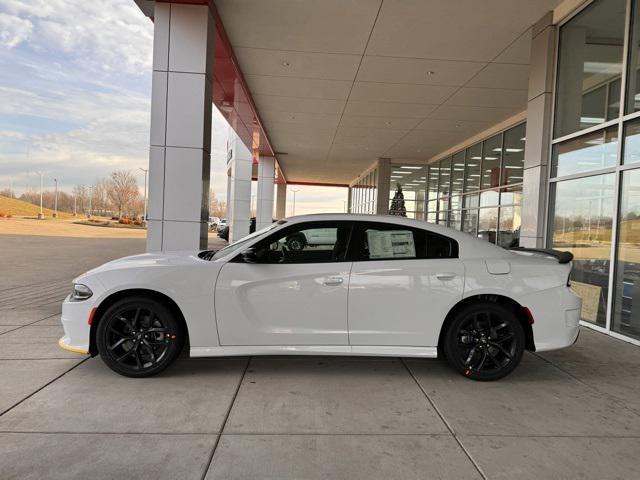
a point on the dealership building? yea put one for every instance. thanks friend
(517, 121)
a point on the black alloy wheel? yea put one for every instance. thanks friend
(296, 243)
(139, 337)
(485, 341)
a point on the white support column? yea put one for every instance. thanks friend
(240, 191)
(266, 180)
(383, 186)
(228, 208)
(181, 102)
(539, 111)
(281, 201)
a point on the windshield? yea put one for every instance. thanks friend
(232, 247)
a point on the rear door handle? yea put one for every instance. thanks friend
(333, 281)
(445, 276)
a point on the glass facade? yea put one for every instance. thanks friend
(479, 190)
(407, 192)
(364, 193)
(594, 202)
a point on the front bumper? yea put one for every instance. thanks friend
(75, 322)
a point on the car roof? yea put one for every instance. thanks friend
(468, 245)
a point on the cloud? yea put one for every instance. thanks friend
(13, 30)
(112, 36)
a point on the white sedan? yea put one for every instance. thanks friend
(384, 286)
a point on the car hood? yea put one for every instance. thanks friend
(146, 260)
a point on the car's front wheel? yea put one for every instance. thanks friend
(485, 341)
(139, 337)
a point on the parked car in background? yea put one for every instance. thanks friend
(369, 285)
(223, 232)
(213, 223)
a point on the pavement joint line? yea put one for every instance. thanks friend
(18, 327)
(15, 291)
(613, 398)
(320, 434)
(446, 422)
(40, 301)
(226, 418)
(21, 293)
(26, 286)
(43, 387)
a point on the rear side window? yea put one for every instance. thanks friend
(381, 241)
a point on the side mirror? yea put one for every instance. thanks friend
(249, 255)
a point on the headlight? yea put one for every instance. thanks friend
(80, 292)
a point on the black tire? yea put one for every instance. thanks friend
(139, 337)
(485, 341)
(296, 243)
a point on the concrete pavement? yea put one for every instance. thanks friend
(567, 414)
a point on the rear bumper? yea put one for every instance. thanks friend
(556, 314)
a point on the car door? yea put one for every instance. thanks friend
(294, 294)
(403, 283)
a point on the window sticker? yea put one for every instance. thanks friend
(391, 244)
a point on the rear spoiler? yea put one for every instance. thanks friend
(563, 257)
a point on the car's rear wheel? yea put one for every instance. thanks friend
(296, 243)
(139, 337)
(485, 341)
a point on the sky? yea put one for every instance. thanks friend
(75, 86)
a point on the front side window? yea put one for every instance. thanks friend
(397, 242)
(317, 242)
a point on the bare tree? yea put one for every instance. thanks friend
(217, 208)
(82, 197)
(122, 190)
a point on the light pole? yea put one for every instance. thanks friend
(75, 205)
(144, 218)
(294, 190)
(90, 196)
(55, 201)
(41, 214)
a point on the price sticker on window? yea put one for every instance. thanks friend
(391, 244)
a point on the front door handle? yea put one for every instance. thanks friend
(333, 281)
(444, 276)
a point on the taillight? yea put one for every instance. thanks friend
(528, 314)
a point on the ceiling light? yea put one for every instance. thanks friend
(396, 176)
(400, 171)
(514, 150)
(491, 158)
(411, 168)
(476, 158)
(285, 63)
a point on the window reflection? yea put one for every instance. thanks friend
(491, 157)
(509, 231)
(457, 173)
(513, 159)
(632, 142)
(589, 67)
(626, 319)
(582, 221)
(472, 173)
(488, 224)
(408, 190)
(588, 152)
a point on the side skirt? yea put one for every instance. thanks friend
(378, 351)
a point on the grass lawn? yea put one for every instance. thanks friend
(18, 208)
